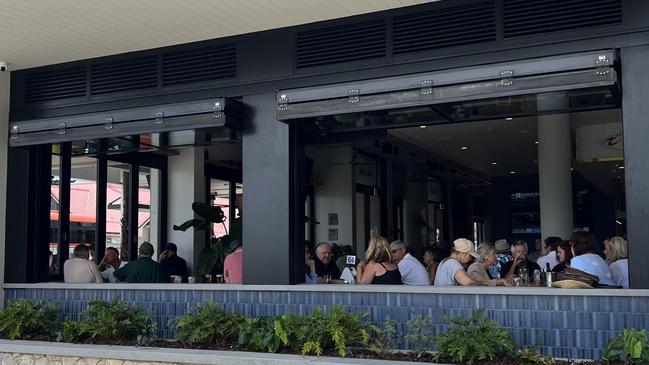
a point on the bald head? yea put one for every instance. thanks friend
(323, 252)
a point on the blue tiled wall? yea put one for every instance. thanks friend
(563, 326)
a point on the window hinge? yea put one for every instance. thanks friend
(353, 96)
(507, 78)
(426, 87)
(217, 111)
(283, 102)
(159, 118)
(61, 129)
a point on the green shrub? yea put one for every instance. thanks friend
(207, 324)
(421, 335)
(469, 340)
(631, 344)
(109, 322)
(530, 356)
(23, 319)
(390, 337)
(260, 334)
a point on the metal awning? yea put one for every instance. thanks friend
(547, 74)
(198, 114)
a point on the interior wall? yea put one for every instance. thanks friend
(415, 197)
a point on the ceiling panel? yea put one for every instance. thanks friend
(43, 32)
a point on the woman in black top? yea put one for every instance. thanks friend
(379, 268)
(564, 255)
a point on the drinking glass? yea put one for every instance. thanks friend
(327, 279)
(537, 277)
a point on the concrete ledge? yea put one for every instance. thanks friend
(178, 356)
(482, 290)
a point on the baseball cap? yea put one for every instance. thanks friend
(146, 249)
(465, 246)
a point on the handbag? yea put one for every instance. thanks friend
(570, 273)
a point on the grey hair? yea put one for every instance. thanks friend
(485, 249)
(398, 243)
(520, 243)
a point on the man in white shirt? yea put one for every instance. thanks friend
(79, 269)
(412, 271)
(550, 258)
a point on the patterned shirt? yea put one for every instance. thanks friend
(502, 259)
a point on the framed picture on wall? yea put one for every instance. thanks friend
(333, 234)
(333, 219)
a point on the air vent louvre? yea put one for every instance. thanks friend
(345, 43)
(56, 84)
(443, 28)
(199, 65)
(124, 75)
(526, 18)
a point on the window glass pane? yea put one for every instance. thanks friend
(54, 242)
(83, 201)
(116, 222)
(220, 197)
(148, 207)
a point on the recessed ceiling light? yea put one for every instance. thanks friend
(494, 163)
(572, 169)
(536, 142)
(621, 167)
(422, 126)
(512, 172)
(464, 148)
(509, 118)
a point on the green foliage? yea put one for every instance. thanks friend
(530, 356)
(109, 322)
(470, 340)
(390, 336)
(421, 335)
(631, 344)
(259, 334)
(23, 319)
(207, 324)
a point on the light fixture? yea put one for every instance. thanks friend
(572, 169)
(621, 167)
(509, 118)
(422, 126)
(512, 172)
(618, 222)
(536, 142)
(494, 163)
(464, 148)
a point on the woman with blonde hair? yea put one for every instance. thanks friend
(479, 270)
(378, 267)
(615, 252)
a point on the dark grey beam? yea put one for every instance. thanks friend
(635, 109)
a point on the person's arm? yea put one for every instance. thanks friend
(120, 273)
(463, 279)
(515, 262)
(366, 274)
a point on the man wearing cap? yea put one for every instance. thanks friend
(412, 271)
(171, 263)
(450, 271)
(142, 270)
(503, 255)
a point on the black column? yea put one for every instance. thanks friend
(635, 109)
(266, 198)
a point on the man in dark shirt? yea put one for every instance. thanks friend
(519, 252)
(142, 270)
(171, 263)
(324, 263)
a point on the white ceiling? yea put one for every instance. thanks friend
(42, 32)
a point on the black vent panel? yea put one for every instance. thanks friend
(351, 42)
(199, 65)
(527, 18)
(443, 28)
(124, 75)
(56, 84)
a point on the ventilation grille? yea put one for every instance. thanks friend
(444, 28)
(125, 75)
(54, 85)
(525, 18)
(199, 65)
(345, 43)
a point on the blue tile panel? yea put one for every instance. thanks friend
(575, 327)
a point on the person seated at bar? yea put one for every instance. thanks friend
(324, 263)
(615, 252)
(564, 255)
(412, 271)
(378, 267)
(479, 270)
(503, 255)
(79, 269)
(110, 263)
(585, 259)
(142, 270)
(550, 259)
(450, 271)
(233, 265)
(520, 261)
(171, 263)
(310, 276)
(431, 260)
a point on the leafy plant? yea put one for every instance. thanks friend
(110, 322)
(631, 344)
(211, 257)
(259, 334)
(530, 356)
(23, 319)
(207, 324)
(421, 335)
(473, 339)
(390, 337)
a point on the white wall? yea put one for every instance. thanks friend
(4, 121)
(333, 192)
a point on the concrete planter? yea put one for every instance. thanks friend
(41, 353)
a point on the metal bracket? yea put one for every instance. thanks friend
(353, 96)
(61, 129)
(426, 87)
(108, 125)
(217, 111)
(602, 65)
(507, 78)
(14, 132)
(159, 118)
(283, 102)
